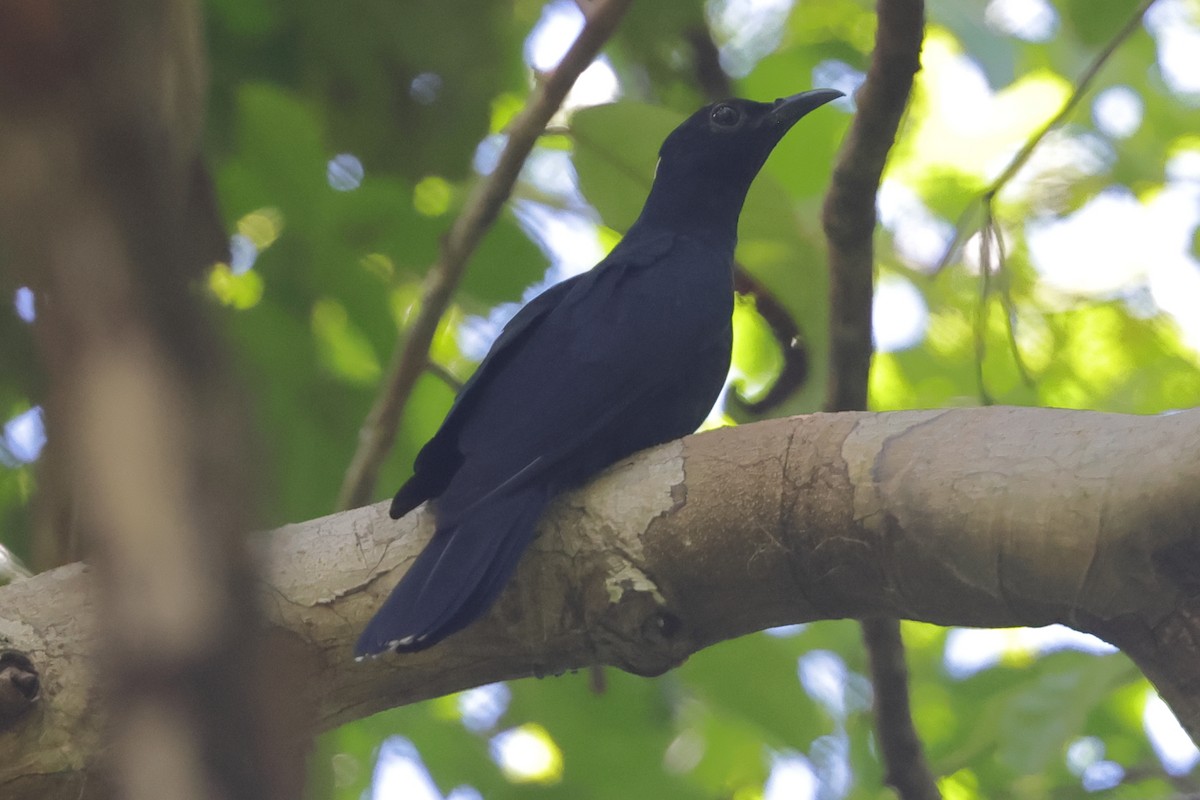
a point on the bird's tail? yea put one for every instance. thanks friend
(458, 575)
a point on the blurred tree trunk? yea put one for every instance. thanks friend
(107, 213)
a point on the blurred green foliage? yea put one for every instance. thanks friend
(411, 89)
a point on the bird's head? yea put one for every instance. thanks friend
(715, 153)
(733, 138)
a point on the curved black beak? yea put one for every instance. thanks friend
(787, 110)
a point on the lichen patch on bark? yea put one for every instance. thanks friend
(618, 508)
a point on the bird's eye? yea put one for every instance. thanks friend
(725, 116)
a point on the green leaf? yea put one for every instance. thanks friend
(616, 149)
(1042, 717)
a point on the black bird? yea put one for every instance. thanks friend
(630, 354)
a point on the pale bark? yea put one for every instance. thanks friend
(986, 517)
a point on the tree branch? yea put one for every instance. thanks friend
(987, 517)
(792, 345)
(483, 205)
(849, 213)
(1082, 85)
(849, 218)
(1081, 88)
(989, 230)
(902, 753)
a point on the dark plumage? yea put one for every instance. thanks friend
(628, 355)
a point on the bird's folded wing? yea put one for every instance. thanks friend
(573, 304)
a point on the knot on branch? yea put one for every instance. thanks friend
(20, 686)
(1179, 562)
(637, 631)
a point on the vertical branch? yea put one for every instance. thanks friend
(849, 220)
(107, 212)
(904, 763)
(483, 205)
(849, 213)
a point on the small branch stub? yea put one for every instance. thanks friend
(20, 687)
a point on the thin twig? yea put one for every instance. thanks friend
(480, 211)
(710, 76)
(989, 235)
(987, 201)
(1081, 88)
(985, 289)
(1023, 155)
(444, 375)
(904, 759)
(849, 219)
(1010, 309)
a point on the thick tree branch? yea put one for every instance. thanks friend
(483, 205)
(850, 226)
(987, 517)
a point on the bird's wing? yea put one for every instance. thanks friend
(625, 335)
(441, 456)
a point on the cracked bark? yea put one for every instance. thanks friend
(984, 517)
